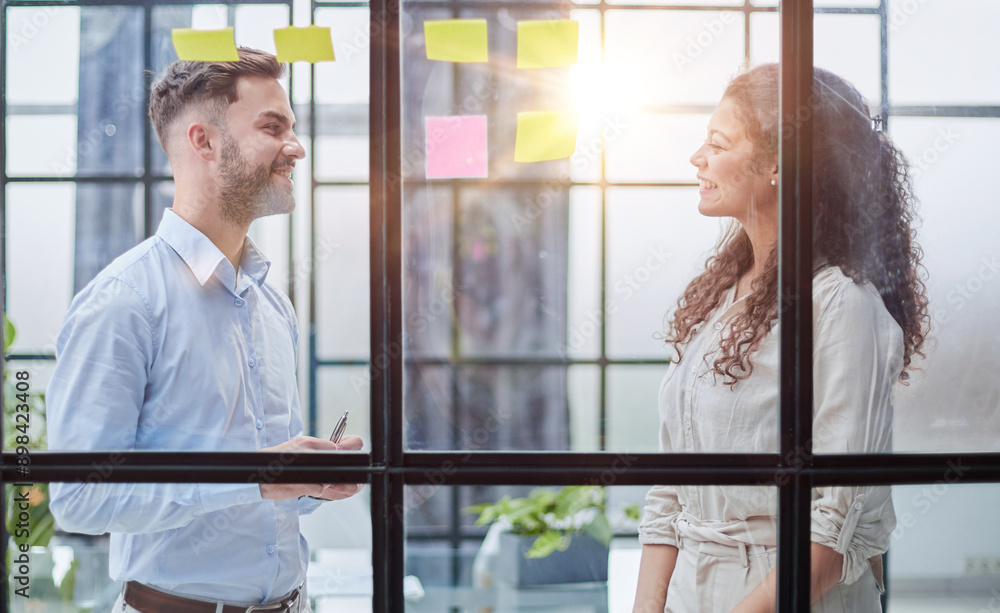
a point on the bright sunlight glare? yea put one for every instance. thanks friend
(603, 89)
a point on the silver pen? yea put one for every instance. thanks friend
(338, 430)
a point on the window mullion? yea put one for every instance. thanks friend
(794, 302)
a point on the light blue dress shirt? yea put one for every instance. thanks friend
(167, 350)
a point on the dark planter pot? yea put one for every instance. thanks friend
(585, 560)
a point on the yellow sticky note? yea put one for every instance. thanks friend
(205, 45)
(545, 135)
(456, 40)
(309, 44)
(547, 43)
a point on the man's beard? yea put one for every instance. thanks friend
(247, 193)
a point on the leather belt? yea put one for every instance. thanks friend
(148, 600)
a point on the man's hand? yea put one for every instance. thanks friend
(324, 491)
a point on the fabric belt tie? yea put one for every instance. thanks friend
(148, 600)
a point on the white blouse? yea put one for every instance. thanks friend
(857, 357)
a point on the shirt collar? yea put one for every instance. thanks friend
(202, 256)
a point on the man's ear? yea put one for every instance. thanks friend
(204, 139)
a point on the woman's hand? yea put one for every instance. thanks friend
(826, 567)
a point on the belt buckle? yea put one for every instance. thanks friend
(284, 604)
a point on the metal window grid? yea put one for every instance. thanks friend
(390, 467)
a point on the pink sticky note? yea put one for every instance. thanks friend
(456, 147)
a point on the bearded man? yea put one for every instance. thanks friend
(180, 344)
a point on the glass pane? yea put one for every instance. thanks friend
(341, 265)
(87, 115)
(346, 80)
(585, 402)
(339, 389)
(460, 566)
(939, 52)
(947, 271)
(849, 46)
(254, 25)
(585, 321)
(962, 270)
(343, 157)
(43, 55)
(60, 235)
(46, 145)
(827, 3)
(656, 148)
(40, 237)
(693, 53)
(632, 420)
(845, 44)
(946, 517)
(24, 423)
(65, 563)
(657, 241)
(509, 266)
(429, 288)
(487, 408)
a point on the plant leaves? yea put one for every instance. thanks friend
(600, 529)
(548, 542)
(633, 512)
(8, 333)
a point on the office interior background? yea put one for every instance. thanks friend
(531, 298)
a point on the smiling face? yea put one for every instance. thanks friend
(258, 153)
(729, 186)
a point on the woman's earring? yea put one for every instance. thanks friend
(773, 182)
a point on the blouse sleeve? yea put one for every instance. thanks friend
(857, 358)
(662, 507)
(662, 502)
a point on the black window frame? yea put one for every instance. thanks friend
(390, 467)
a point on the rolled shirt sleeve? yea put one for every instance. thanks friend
(857, 359)
(662, 508)
(662, 501)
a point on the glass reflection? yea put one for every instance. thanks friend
(465, 561)
(63, 566)
(952, 519)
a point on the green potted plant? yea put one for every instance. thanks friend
(28, 433)
(30, 523)
(550, 536)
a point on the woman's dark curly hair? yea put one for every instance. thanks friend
(863, 215)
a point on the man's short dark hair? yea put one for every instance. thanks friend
(210, 83)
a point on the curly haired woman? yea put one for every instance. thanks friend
(712, 548)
